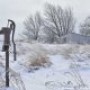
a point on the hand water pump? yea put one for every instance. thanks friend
(6, 31)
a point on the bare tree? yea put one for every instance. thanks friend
(58, 21)
(33, 25)
(50, 34)
(68, 21)
(85, 27)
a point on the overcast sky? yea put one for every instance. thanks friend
(18, 10)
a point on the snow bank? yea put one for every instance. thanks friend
(69, 66)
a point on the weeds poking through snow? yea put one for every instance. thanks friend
(35, 62)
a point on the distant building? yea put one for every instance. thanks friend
(73, 38)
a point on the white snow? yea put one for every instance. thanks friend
(70, 69)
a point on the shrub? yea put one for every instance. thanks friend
(35, 62)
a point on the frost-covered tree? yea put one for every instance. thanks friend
(33, 25)
(58, 21)
(85, 27)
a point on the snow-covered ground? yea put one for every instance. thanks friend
(68, 68)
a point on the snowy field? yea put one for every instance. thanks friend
(48, 67)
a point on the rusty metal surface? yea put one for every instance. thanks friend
(6, 31)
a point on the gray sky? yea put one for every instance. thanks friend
(18, 10)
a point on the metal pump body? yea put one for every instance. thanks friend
(6, 31)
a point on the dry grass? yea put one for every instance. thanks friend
(36, 54)
(40, 61)
(37, 61)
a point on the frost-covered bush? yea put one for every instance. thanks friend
(37, 61)
(40, 61)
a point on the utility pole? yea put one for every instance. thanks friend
(6, 31)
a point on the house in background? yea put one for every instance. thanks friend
(73, 38)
